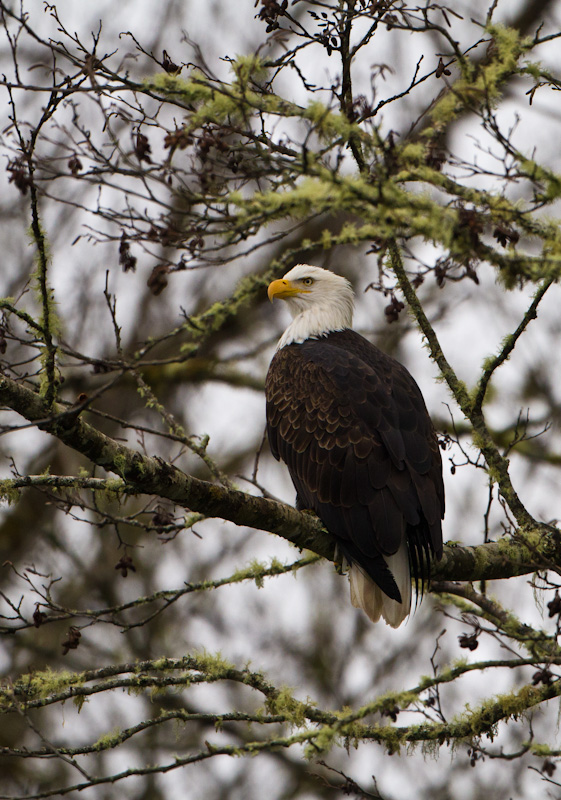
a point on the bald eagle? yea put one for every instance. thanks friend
(352, 427)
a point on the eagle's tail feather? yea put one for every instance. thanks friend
(373, 601)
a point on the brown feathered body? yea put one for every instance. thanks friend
(352, 427)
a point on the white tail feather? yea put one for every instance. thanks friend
(373, 601)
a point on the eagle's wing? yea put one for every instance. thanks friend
(351, 425)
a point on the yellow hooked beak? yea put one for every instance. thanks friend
(283, 289)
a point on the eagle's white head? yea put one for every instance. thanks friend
(319, 301)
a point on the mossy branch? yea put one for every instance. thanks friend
(154, 476)
(497, 464)
(48, 316)
(540, 645)
(49, 322)
(202, 326)
(320, 729)
(197, 447)
(481, 83)
(161, 600)
(7, 305)
(536, 548)
(509, 344)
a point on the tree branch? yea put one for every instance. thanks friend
(497, 463)
(537, 548)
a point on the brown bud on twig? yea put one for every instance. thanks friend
(469, 641)
(168, 65)
(505, 235)
(72, 640)
(179, 139)
(470, 222)
(100, 367)
(474, 757)
(142, 148)
(38, 616)
(125, 564)
(270, 12)
(126, 259)
(441, 69)
(391, 712)
(74, 165)
(393, 310)
(161, 518)
(555, 605)
(157, 281)
(548, 767)
(542, 676)
(19, 175)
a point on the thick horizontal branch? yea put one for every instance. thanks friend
(145, 475)
(521, 554)
(534, 549)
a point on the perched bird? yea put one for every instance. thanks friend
(352, 427)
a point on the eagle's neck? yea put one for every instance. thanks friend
(318, 320)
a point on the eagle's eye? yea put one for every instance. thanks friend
(307, 281)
